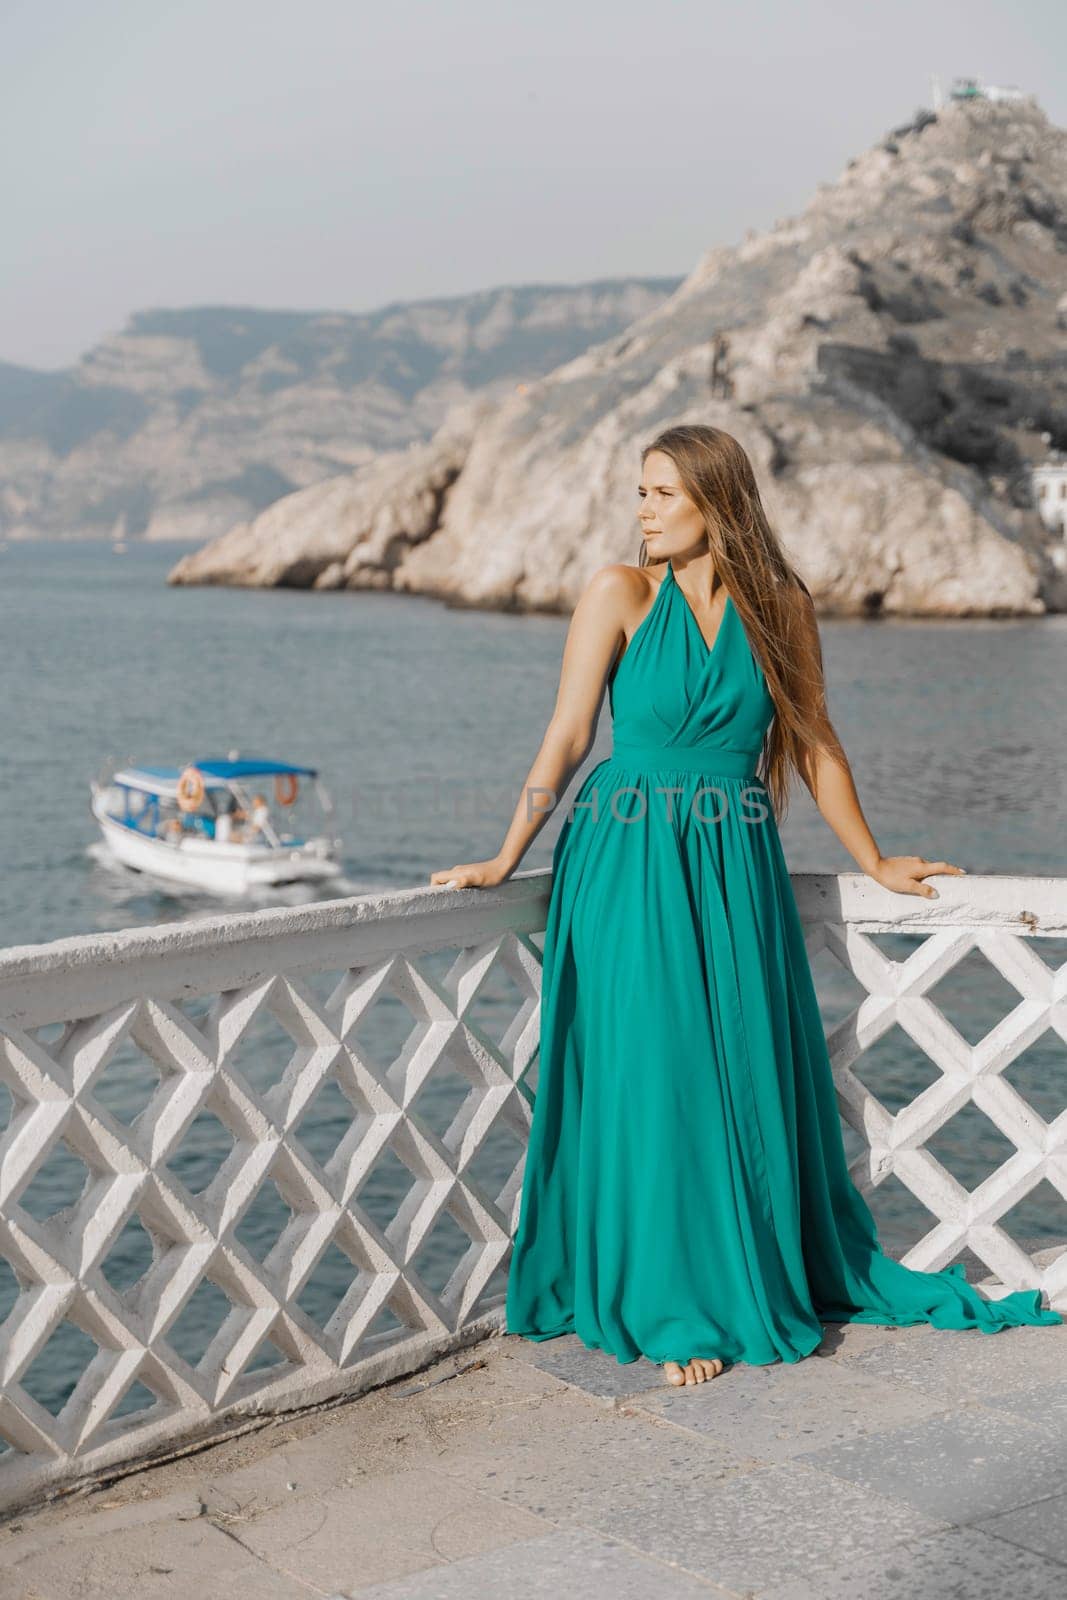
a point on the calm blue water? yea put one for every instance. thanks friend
(425, 720)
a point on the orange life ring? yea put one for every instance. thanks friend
(286, 788)
(190, 789)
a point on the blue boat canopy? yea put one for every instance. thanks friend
(251, 769)
(217, 774)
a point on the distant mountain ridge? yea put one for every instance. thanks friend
(892, 358)
(191, 419)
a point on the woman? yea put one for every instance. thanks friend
(686, 1193)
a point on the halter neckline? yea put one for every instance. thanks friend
(710, 649)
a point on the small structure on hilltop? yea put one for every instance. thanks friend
(974, 89)
(1049, 481)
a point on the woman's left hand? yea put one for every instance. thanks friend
(904, 874)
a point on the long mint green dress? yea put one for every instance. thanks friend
(686, 1189)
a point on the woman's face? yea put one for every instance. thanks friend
(670, 523)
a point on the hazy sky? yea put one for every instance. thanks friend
(335, 154)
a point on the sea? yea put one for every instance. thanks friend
(423, 719)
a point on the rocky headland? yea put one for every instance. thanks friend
(892, 358)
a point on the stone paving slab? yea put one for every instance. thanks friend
(962, 1564)
(1044, 1402)
(39, 1534)
(958, 1466)
(753, 1529)
(548, 1569)
(777, 1412)
(844, 1339)
(163, 1560)
(960, 1366)
(150, 1548)
(596, 1372)
(551, 1463)
(1041, 1527)
(385, 1526)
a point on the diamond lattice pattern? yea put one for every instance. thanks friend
(246, 1174)
(968, 1072)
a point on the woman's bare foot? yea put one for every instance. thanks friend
(695, 1371)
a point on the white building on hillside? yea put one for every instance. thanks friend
(1049, 482)
(974, 89)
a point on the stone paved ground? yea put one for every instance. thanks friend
(893, 1464)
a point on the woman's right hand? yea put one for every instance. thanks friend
(474, 875)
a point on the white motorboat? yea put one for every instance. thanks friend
(209, 825)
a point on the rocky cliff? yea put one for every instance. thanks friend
(191, 420)
(892, 358)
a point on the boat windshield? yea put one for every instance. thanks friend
(284, 813)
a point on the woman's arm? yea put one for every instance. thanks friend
(830, 782)
(597, 629)
(832, 788)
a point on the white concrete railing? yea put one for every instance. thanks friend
(69, 1011)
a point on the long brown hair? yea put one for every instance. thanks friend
(771, 598)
